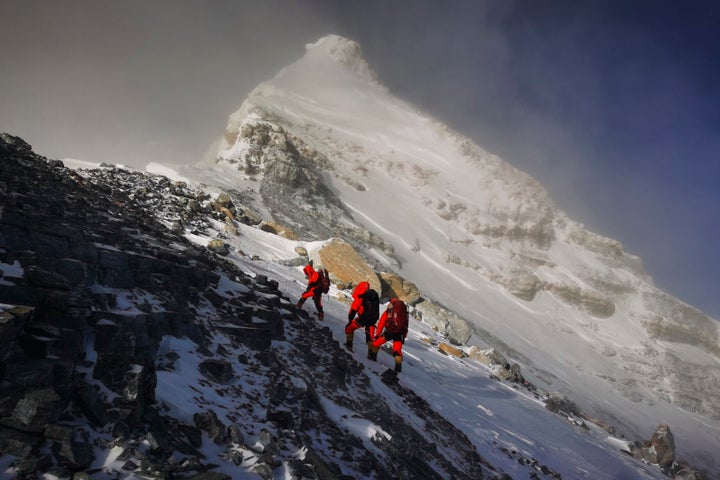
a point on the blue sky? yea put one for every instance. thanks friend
(614, 106)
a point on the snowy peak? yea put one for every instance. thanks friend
(344, 51)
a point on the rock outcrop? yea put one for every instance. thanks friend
(393, 285)
(347, 268)
(660, 449)
(458, 330)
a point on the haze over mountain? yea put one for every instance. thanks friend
(332, 153)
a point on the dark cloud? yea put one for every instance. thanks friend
(612, 105)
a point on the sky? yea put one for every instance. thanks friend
(612, 105)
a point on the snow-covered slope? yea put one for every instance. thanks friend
(481, 238)
(510, 427)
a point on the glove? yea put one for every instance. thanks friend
(351, 315)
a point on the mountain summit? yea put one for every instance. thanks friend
(333, 153)
(342, 50)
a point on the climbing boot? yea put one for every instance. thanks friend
(398, 363)
(300, 303)
(349, 341)
(321, 315)
(372, 353)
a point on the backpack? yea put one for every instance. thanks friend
(370, 308)
(324, 280)
(397, 320)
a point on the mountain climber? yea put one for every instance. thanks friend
(393, 326)
(314, 289)
(364, 312)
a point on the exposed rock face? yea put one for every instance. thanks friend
(610, 251)
(525, 285)
(681, 323)
(685, 379)
(82, 245)
(539, 233)
(593, 304)
(290, 175)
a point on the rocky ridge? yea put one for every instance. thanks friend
(97, 275)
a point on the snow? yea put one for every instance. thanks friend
(360, 427)
(496, 416)
(8, 270)
(12, 270)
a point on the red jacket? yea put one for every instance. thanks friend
(356, 306)
(313, 277)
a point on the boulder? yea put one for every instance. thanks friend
(488, 356)
(38, 408)
(218, 246)
(347, 268)
(223, 201)
(219, 371)
(660, 449)
(562, 405)
(457, 329)
(277, 229)
(395, 286)
(210, 423)
(12, 322)
(450, 350)
(73, 455)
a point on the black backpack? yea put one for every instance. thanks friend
(324, 280)
(370, 308)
